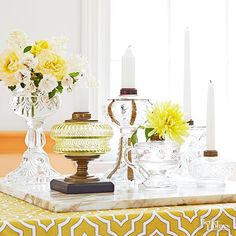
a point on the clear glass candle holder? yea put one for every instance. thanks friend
(127, 112)
(211, 171)
(193, 148)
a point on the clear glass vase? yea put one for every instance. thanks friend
(35, 166)
(153, 162)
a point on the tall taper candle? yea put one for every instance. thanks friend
(210, 139)
(187, 75)
(128, 69)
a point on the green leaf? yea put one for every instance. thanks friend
(59, 87)
(36, 77)
(74, 74)
(52, 93)
(147, 132)
(39, 75)
(74, 80)
(12, 87)
(141, 127)
(28, 48)
(134, 138)
(36, 81)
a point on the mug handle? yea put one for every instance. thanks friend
(139, 170)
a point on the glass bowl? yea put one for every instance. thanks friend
(153, 162)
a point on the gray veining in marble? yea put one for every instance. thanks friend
(123, 197)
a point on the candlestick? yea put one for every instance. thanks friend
(128, 112)
(81, 97)
(128, 69)
(210, 140)
(187, 76)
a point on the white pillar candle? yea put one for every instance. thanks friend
(128, 69)
(187, 76)
(81, 97)
(210, 139)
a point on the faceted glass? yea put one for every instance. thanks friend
(35, 166)
(127, 112)
(153, 162)
(211, 170)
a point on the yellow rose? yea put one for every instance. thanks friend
(51, 64)
(9, 65)
(39, 46)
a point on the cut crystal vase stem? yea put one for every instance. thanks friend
(35, 167)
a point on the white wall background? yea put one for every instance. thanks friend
(39, 19)
(155, 28)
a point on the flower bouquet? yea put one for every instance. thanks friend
(37, 73)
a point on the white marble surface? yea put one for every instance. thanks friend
(123, 197)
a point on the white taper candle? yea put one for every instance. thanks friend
(187, 75)
(128, 69)
(210, 139)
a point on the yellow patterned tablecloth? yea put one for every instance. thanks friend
(20, 218)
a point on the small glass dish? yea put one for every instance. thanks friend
(211, 171)
(153, 161)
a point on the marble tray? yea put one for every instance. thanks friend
(42, 196)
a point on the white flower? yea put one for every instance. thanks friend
(67, 81)
(29, 60)
(30, 87)
(59, 44)
(48, 83)
(91, 81)
(23, 76)
(17, 39)
(76, 63)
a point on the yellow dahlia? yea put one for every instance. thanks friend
(167, 120)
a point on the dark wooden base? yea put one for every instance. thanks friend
(72, 188)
